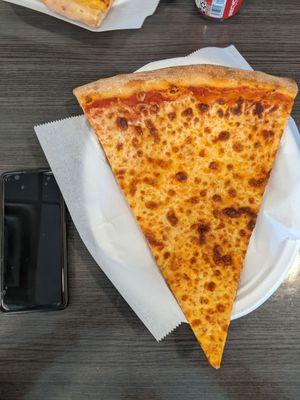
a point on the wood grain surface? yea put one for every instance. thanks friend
(97, 348)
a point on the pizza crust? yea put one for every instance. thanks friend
(80, 12)
(205, 74)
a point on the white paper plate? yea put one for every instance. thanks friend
(275, 242)
(124, 14)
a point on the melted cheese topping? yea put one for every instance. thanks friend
(193, 163)
(94, 4)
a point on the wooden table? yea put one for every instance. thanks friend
(97, 348)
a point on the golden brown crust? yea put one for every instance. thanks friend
(86, 11)
(205, 74)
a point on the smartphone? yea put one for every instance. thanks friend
(33, 242)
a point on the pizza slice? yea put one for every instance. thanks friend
(90, 12)
(192, 149)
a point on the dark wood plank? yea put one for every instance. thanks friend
(97, 348)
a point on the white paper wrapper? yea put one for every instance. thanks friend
(124, 14)
(112, 236)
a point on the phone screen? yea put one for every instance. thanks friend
(33, 243)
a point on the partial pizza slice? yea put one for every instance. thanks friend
(192, 149)
(90, 12)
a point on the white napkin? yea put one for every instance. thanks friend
(112, 236)
(124, 14)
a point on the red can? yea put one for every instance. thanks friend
(219, 9)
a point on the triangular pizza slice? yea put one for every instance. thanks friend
(192, 149)
(90, 12)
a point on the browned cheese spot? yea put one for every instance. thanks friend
(226, 259)
(202, 153)
(203, 108)
(172, 116)
(216, 213)
(194, 199)
(220, 113)
(122, 123)
(273, 109)
(238, 147)
(220, 307)
(188, 140)
(219, 258)
(210, 286)
(152, 130)
(242, 233)
(268, 134)
(188, 112)
(186, 277)
(248, 211)
(213, 165)
(204, 300)
(135, 142)
(173, 89)
(181, 176)
(154, 109)
(237, 110)
(217, 198)
(256, 182)
(143, 109)
(257, 145)
(172, 218)
(152, 240)
(232, 192)
(203, 229)
(138, 130)
(231, 212)
(203, 193)
(149, 181)
(195, 323)
(171, 192)
(161, 163)
(251, 225)
(151, 205)
(217, 254)
(258, 109)
(223, 136)
(166, 255)
(121, 171)
(119, 146)
(133, 187)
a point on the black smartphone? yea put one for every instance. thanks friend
(33, 242)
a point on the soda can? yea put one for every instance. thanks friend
(219, 9)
